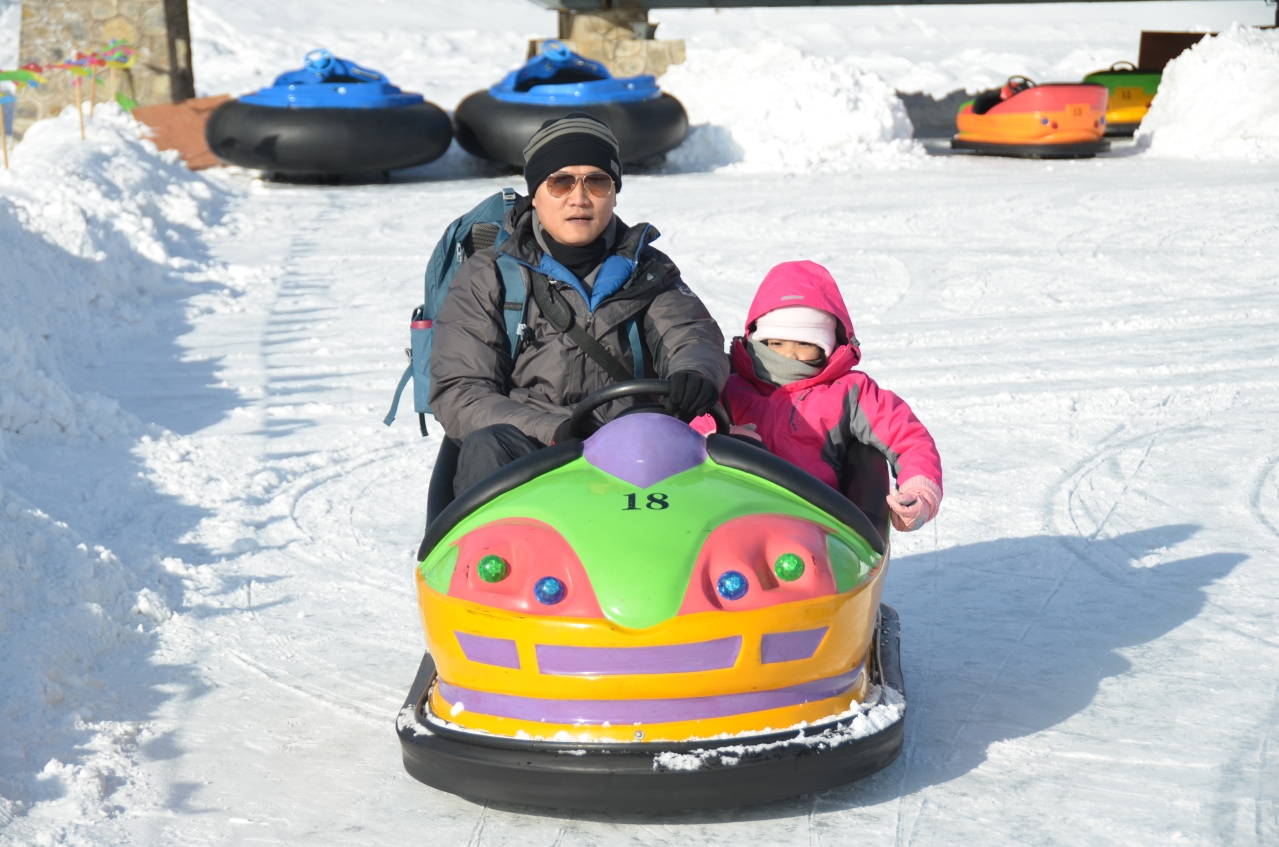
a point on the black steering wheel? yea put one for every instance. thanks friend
(660, 387)
(1017, 84)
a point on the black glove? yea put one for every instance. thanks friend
(691, 395)
(561, 431)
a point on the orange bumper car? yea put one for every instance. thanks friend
(1022, 119)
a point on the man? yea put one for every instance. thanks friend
(603, 304)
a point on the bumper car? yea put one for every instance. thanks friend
(1022, 119)
(648, 619)
(1130, 91)
(496, 124)
(331, 117)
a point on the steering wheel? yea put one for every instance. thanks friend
(318, 61)
(1018, 84)
(660, 387)
(556, 50)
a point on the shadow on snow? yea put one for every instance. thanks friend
(99, 488)
(1001, 640)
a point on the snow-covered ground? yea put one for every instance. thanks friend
(206, 534)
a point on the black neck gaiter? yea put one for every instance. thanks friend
(580, 260)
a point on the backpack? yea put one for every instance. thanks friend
(478, 229)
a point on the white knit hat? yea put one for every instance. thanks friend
(798, 323)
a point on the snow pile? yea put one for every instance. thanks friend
(939, 48)
(91, 234)
(63, 605)
(1219, 100)
(775, 108)
(882, 708)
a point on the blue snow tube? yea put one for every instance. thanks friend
(496, 124)
(330, 117)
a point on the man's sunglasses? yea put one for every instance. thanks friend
(560, 185)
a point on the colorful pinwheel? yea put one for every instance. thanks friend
(24, 77)
(119, 55)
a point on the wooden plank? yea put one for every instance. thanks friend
(180, 126)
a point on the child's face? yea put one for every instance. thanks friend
(800, 351)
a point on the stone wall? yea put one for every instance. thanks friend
(621, 39)
(53, 30)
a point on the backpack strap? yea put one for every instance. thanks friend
(515, 299)
(561, 318)
(637, 351)
(399, 389)
(514, 291)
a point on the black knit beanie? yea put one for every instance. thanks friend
(575, 139)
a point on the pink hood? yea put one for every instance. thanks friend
(802, 284)
(807, 422)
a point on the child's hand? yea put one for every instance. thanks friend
(914, 504)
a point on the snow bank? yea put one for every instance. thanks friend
(63, 604)
(939, 48)
(91, 233)
(1219, 100)
(94, 235)
(771, 107)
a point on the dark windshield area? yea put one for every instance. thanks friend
(986, 101)
(562, 76)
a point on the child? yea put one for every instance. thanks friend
(793, 379)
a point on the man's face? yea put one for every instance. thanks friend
(579, 217)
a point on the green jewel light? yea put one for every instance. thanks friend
(788, 567)
(492, 569)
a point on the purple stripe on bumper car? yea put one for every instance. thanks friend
(790, 646)
(663, 710)
(667, 658)
(500, 652)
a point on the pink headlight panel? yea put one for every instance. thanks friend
(750, 545)
(532, 550)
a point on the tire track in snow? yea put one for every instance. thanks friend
(912, 726)
(307, 314)
(1065, 498)
(310, 661)
(1070, 483)
(1265, 478)
(311, 693)
(313, 483)
(1070, 486)
(1263, 799)
(477, 832)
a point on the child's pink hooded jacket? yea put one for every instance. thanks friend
(810, 422)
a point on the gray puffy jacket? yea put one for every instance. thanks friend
(474, 382)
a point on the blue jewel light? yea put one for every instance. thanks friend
(1044, 121)
(732, 585)
(549, 591)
